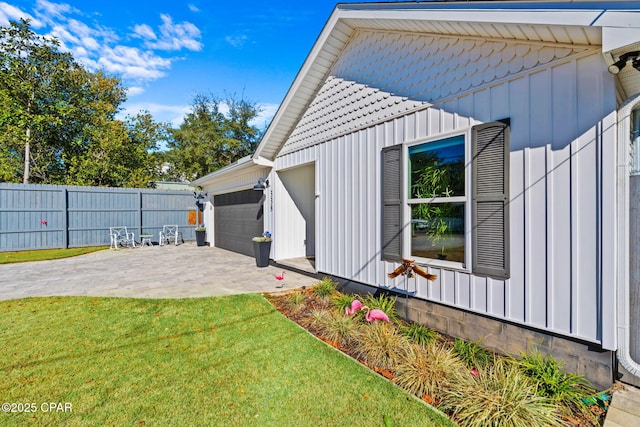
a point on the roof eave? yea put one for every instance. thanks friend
(239, 167)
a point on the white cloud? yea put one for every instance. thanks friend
(133, 63)
(193, 8)
(88, 37)
(12, 13)
(237, 41)
(63, 35)
(134, 90)
(98, 47)
(145, 32)
(267, 112)
(53, 9)
(176, 36)
(173, 114)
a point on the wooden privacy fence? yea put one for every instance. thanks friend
(57, 216)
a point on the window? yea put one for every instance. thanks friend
(437, 199)
(442, 203)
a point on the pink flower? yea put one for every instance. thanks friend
(43, 222)
(474, 372)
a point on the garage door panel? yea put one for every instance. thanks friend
(238, 218)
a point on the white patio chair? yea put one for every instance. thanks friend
(170, 233)
(120, 237)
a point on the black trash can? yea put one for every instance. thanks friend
(200, 236)
(261, 251)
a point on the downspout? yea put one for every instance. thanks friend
(624, 156)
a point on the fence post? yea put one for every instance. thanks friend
(65, 218)
(140, 214)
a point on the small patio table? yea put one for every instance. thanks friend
(145, 239)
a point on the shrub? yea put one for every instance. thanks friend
(384, 303)
(418, 334)
(501, 396)
(564, 389)
(296, 300)
(380, 344)
(472, 354)
(337, 327)
(319, 317)
(325, 288)
(342, 301)
(427, 370)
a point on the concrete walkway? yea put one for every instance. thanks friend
(149, 272)
(625, 408)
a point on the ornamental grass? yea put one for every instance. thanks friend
(380, 344)
(501, 395)
(336, 327)
(565, 390)
(473, 385)
(427, 370)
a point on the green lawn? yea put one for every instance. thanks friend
(44, 254)
(230, 361)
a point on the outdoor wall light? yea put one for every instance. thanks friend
(617, 66)
(261, 185)
(200, 200)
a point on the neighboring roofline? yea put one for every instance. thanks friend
(238, 167)
(619, 20)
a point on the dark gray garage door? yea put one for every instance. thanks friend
(238, 218)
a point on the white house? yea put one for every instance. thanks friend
(489, 141)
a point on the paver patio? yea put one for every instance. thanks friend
(149, 272)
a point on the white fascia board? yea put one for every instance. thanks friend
(619, 19)
(261, 161)
(614, 38)
(619, 29)
(517, 16)
(227, 171)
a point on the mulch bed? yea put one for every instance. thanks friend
(302, 315)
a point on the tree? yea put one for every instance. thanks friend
(36, 85)
(144, 133)
(58, 121)
(209, 139)
(121, 154)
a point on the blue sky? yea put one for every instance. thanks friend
(165, 52)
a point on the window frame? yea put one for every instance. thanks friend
(466, 199)
(487, 200)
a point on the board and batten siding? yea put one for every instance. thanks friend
(561, 212)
